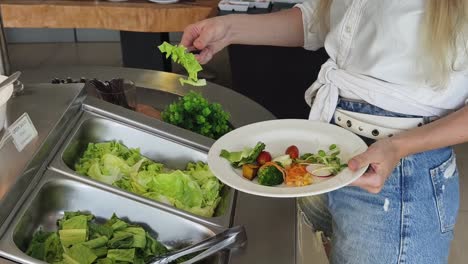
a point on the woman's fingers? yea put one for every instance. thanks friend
(190, 35)
(205, 55)
(209, 51)
(360, 161)
(205, 38)
(371, 181)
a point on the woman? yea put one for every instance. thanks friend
(396, 76)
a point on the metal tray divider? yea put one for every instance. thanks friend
(9, 250)
(58, 165)
(147, 124)
(68, 174)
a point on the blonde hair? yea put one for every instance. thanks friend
(444, 34)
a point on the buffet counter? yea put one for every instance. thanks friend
(37, 185)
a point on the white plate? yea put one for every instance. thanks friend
(308, 136)
(164, 1)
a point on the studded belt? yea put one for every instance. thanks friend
(376, 127)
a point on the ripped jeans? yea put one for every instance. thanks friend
(410, 221)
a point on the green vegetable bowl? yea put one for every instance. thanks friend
(163, 171)
(135, 233)
(193, 112)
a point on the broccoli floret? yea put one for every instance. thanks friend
(270, 176)
(195, 113)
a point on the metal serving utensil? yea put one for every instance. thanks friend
(230, 238)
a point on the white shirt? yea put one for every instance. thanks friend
(376, 55)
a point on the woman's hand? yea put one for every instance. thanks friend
(382, 157)
(282, 28)
(208, 36)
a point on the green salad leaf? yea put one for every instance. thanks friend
(179, 55)
(74, 230)
(111, 242)
(328, 158)
(97, 242)
(79, 254)
(239, 158)
(194, 189)
(126, 255)
(45, 246)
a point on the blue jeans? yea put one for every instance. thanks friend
(410, 221)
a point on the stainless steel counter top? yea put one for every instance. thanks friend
(45, 105)
(270, 223)
(242, 109)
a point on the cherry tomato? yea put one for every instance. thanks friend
(263, 157)
(293, 152)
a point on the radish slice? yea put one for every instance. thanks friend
(318, 170)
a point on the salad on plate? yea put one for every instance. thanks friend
(291, 168)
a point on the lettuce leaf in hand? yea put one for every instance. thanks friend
(179, 55)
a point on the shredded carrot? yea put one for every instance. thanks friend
(297, 175)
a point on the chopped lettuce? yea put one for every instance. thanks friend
(97, 242)
(210, 191)
(76, 222)
(45, 246)
(139, 236)
(239, 158)
(105, 261)
(179, 55)
(100, 252)
(70, 237)
(97, 230)
(200, 172)
(115, 241)
(116, 223)
(178, 186)
(194, 189)
(74, 230)
(121, 240)
(69, 215)
(153, 247)
(79, 254)
(205, 211)
(126, 255)
(95, 152)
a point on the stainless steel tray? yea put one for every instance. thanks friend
(100, 128)
(56, 193)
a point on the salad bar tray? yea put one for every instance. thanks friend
(55, 194)
(153, 144)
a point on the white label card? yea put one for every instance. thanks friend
(22, 131)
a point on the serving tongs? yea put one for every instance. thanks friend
(229, 239)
